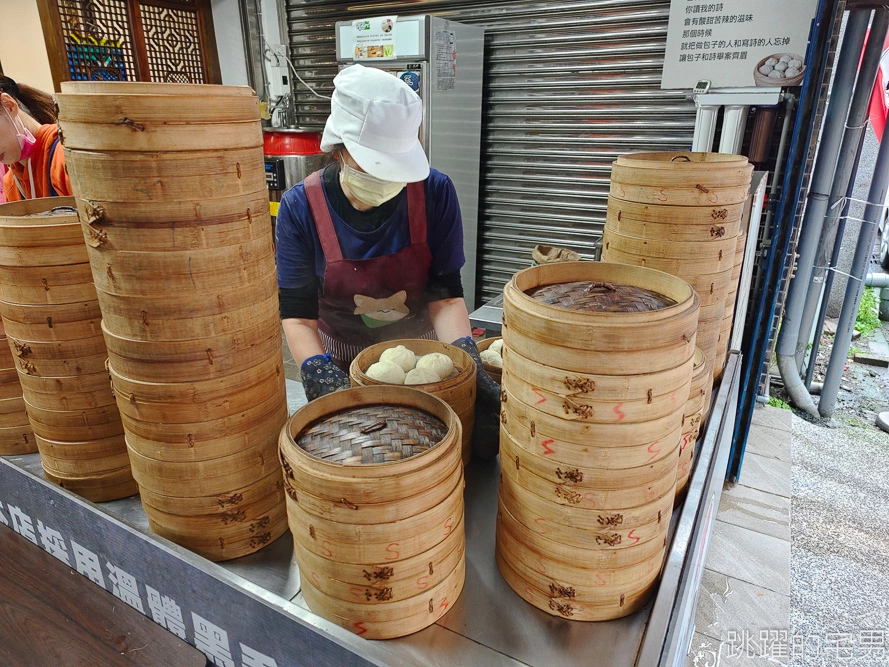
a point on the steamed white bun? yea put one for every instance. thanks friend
(497, 346)
(438, 363)
(421, 376)
(491, 358)
(383, 371)
(400, 356)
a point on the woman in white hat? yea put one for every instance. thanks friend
(370, 248)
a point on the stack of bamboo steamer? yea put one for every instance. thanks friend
(725, 332)
(16, 436)
(172, 199)
(597, 366)
(693, 415)
(375, 501)
(458, 391)
(51, 312)
(681, 213)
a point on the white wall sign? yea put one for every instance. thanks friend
(737, 43)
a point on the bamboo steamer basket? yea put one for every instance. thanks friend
(568, 484)
(172, 225)
(642, 387)
(678, 230)
(239, 265)
(426, 609)
(580, 407)
(204, 400)
(544, 500)
(197, 359)
(225, 523)
(613, 252)
(144, 177)
(679, 195)
(90, 457)
(703, 217)
(720, 253)
(67, 350)
(495, 373)
(16, 419)
(70, 425)
(206, 478)
(68, 393)
(603, 342)
(200, 441)
(17, 440)
(47, 322)
(7, 360)
(389, 502)
(212, 314)
(12, 405)
(9, 384)
(565, 440)
(96, 488)
(430, 568)
(151, 136)
(256, 534)
(128, 88)
(458, 391)
(88, 365)
(229, 501)
(681, 167)
(357, 516)
(47, 285)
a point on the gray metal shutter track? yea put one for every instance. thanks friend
(569, 87)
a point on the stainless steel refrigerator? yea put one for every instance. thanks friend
(442, 61)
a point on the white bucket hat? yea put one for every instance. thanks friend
(377, 117)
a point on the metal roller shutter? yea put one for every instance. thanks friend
(569, 86)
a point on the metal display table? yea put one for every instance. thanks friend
(249, 612)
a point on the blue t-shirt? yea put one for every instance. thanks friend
(301, 259)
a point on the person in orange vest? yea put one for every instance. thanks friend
(29, 144)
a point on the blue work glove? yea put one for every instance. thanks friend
(486, 433)
(320, 376)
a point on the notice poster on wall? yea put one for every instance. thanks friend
(737, 43)
(375, 38)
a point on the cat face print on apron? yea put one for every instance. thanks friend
(368, 301)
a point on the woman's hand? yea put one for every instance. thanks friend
(319, 375)
(486, 433)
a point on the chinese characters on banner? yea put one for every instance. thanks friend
(212, 640)
(732, 43)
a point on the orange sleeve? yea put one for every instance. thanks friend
(58, 172)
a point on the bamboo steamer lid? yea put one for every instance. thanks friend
(96, 488)
(228, 501)
(681, 165)
(241, 265)
(206, 478)
(381, 482)
(599, 342)
(578, 407)
(458, 391)
(17, 440)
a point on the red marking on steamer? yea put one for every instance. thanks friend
(448, 525)
(325, 547)
(361, 628)
(547, 450)
(542, 397)
(653, 450)
(357, 592)
(423, 582)
(392, 550)
(620, 414)
(635, 539)
(542, 568)
(540, 521)
(444, 604)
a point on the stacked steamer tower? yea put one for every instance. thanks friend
(174, 210)
(52, 318)
(597, 367)
(16, 436)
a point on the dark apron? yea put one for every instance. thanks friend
(367, 301)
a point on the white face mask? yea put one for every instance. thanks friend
(368, 189)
